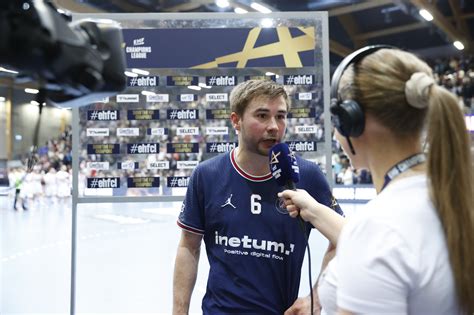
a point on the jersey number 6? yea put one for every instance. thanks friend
(255, 206)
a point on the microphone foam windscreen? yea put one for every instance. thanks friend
(283, 164)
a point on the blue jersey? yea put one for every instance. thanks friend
(255, 249)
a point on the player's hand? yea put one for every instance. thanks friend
(302, 306)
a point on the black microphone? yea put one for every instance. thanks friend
(283, 165)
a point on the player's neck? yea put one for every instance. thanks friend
(252, 163)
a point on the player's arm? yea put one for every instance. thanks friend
(185, 271)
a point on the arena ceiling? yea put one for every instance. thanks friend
(352, 23)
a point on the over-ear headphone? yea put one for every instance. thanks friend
(348, 115)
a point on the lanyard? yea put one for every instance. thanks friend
(402, 166)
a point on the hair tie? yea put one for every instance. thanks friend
(417, 89)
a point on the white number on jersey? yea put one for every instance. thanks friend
(255, 205)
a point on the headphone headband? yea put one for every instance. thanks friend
(354, 57)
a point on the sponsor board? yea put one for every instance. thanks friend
(143, 182)
(177, 181)
(141, 81)
(218, 113)
(99, 166)
(220, 147)
(187, 97)
(260, 77)
(128, 98)
(143, 148)
(306, 129)
(302, 112)
(221, 80)
(302, 146)
(97, 132)
(187, 131)
(101, 115)
(143, 114)
(182, 114)
(217, 131)
(158, 165)
(186, 147)
(305, 96)
(158, 98)
(103, 148)
(128, 132)
(160, 131)
(138, 50)
(186, 165)
(103, 182)
(182, 80)
(127, 165)
(216, 97)
(298, 79)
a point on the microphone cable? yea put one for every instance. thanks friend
(303, 228)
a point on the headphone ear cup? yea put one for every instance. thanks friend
(352, 118)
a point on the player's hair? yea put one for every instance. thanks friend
(249, 90)
(379, 88)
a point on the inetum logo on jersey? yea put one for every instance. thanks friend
(99, 166)
(182, 114)
(103, 115)
(302, 146)
(128, 132)
(216, 97)
(220, 147)
(217, 131)
(128, 98)
(247, 246)
(158, 165)
(306, 129)
(157, 131)
(158, 98)
(143, 81)
(138, 50)
(186, 165)
(103, 182)
(143, 148)
(178, 181)
(97, 132)
(299, 79)
(187, 131)
(128, 165)
(222, 80)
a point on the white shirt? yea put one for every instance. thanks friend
(392, 257)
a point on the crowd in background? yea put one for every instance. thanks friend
(51, 176)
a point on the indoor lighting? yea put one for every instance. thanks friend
(222, 3)
(203, 85)
(140, 71)
(426, 15)
(2, 99)
(458, 45)
(130, 74)
(266, 23)
(34, 103)
(7, 70)
(260, 8)
(194, 87)
(240, 11)
(148, 93)
(32, 91)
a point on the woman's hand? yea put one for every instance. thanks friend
(299, 202)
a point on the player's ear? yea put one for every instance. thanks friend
(235, 119)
